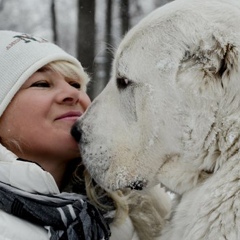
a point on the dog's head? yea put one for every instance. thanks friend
(174, 81)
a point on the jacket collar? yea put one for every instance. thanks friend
(26, 176)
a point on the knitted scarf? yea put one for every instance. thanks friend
(66, 216)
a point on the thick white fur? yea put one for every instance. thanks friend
(171, 114)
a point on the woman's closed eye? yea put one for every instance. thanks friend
(41, 84)
(76, 85)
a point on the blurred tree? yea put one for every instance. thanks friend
(2, 4)
(86, 37)
(109, 41)
(54, 21)
(124, 12)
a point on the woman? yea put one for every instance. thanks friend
(42, 94)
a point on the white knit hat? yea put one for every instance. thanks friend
(20, 56)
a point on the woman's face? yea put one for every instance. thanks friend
(36, 125)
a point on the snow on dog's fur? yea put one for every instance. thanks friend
(171, 114)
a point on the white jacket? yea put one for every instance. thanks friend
(31, 178)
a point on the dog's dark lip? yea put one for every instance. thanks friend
(138, 185)
(69, 114)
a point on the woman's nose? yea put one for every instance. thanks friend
(71, 95)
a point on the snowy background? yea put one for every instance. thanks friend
(34, 16)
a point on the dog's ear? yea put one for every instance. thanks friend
(227, 56)
(214, 58)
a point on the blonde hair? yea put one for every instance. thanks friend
(148, 211)
(103, 200)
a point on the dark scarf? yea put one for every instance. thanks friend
(67, 216)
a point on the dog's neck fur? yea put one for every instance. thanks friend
(210, 153)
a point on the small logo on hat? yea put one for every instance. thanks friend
(26, 38)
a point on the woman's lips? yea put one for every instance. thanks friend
(72, 115)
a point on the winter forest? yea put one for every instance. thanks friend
(88, 29)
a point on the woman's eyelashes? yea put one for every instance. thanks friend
(46, 84)
(41, 84)
(76, 85)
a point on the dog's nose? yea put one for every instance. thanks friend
(75, 132)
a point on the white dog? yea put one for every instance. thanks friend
(171, 114)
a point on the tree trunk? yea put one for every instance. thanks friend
(54, 21)
(2, 2)
(124, 12)
(86, 37)
(108, 38)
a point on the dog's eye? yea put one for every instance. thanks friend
(122, 82)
